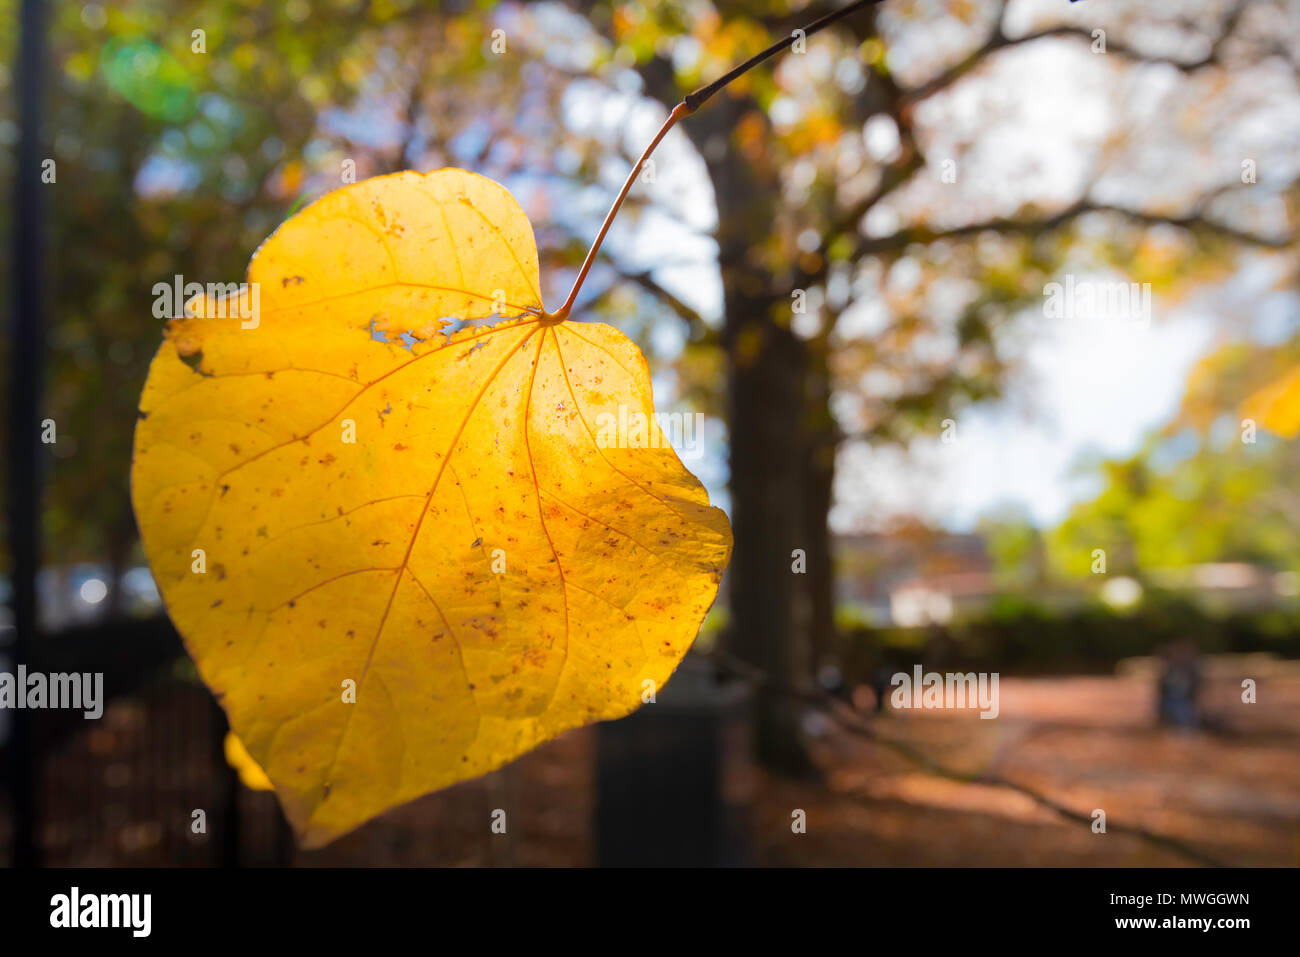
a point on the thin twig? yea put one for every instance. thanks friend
(701, 96)
(689, 105)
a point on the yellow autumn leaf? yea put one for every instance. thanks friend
(1277, 405)
(400, 564)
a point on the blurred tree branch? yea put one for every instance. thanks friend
(1194, 221)
(998, 40)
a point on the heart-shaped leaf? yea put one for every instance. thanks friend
(404, 550)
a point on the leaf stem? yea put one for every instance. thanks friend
(686, 107)
(680, 110)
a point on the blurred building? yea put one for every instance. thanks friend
(917, 572)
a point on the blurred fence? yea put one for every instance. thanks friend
(670, 784)
(145, 784)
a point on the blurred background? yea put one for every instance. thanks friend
(931, 456)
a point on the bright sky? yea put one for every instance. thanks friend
(1090, 387)
(1093, 386)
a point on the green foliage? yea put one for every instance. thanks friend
(1016, 547)
(1023, 637)
(1223, 501)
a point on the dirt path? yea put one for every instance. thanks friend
(1088, 743)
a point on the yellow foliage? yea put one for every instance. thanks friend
(440, 526)
(1277, 406)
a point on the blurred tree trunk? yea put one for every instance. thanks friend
(765, 406)
(821, 438)
(120, 540)
(769, 607)
(766, 403)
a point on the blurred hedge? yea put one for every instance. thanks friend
(1019, 635)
